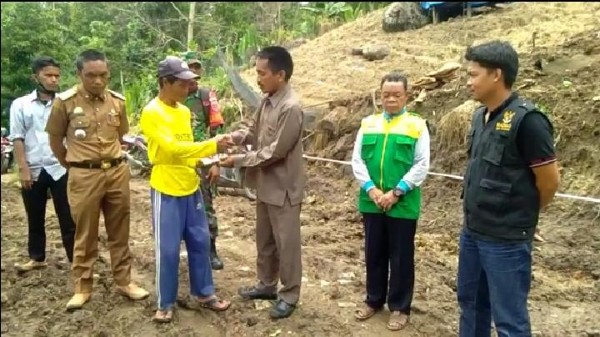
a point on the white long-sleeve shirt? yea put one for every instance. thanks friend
(28, 117)
(413, 178)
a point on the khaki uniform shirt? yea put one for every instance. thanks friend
(93, 126)
(276, 166)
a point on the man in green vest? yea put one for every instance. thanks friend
(390, 161)
(200, 101)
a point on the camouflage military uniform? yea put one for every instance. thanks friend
(200, 129)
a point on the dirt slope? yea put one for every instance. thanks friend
(325, 70)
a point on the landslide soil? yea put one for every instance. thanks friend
(565, 290)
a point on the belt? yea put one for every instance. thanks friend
(98, 164)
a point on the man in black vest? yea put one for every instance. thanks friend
(512, 174)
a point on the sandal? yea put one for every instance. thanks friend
(364, 313)
(397, 321)
(163, 316)
(213, 303)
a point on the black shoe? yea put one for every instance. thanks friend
(253, 293)
(215, 261)
(281, 309)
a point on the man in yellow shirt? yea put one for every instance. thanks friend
(177, 205)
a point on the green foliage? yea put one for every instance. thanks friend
(138, 94)
(218, 81)
(230, 113)
(136, 35)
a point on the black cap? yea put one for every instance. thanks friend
(174, 66)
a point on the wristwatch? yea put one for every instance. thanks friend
(398, 192)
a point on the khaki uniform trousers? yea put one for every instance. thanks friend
(91, 191)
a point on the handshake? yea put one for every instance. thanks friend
(224, 144)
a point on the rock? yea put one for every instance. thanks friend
(323, 284)
(425, 82)
(596, 99)
(446, 73)
(376, 52)
(346, 305)
(593, 333)
(401, 16)
(421, 97)
(251, 321)
(356, 51)
(349, 275)
(262, 305)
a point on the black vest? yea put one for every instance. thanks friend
(501, 201)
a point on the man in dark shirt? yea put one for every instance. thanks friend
(512, 174)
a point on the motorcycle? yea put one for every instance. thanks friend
(7, 151)
(136, 152)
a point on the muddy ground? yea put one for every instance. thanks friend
(564, 299)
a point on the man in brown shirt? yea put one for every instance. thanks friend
(276, 168)
(92, 120)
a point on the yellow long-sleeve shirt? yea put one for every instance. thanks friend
(171, 149)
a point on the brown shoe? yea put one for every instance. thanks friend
(78, 300)
(31, 265)
(397, 321)
(133, 292)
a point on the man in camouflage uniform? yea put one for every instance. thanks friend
(200, 101)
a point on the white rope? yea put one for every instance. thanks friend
(455, 177)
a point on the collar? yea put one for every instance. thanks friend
(91, 96)
(389, 117)
(279, 95)
(502, 106)
(33, 96)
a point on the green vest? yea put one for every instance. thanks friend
(388, 150)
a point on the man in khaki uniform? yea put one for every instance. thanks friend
(276, 167)
(92, 119)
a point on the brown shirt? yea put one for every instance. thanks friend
(92, 125)
(276, 166)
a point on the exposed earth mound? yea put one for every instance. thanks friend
(566, 288)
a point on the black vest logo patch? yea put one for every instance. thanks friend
(506, 122)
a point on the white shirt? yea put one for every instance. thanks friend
(28, 118)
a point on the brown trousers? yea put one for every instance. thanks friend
(92, 190)
(278, 245)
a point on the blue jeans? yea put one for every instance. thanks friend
(174, 219)
(494, 279)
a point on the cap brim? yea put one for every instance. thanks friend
(186, 75)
